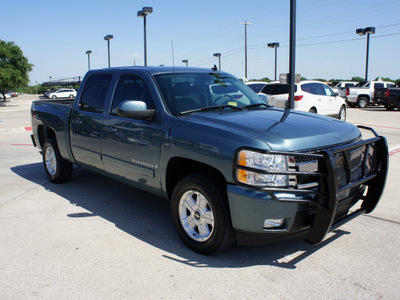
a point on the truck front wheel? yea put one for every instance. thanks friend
(57, 169)
(362, 102)
(200, 212)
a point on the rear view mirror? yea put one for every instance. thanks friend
(135, 110)
(263, 97)
(224, 89)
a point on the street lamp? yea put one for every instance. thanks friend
(142, 14)
(274, 45)
(107, 38)
(185, 61)
(368, 31)
(219, 59)
(88, 57)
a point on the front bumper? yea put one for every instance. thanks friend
(347, 175)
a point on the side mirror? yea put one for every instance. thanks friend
(135, 110)
(336, 94)
(263, 97)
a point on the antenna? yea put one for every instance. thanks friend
(172, 51)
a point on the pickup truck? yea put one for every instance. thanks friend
(234, 169)
(342, 85)
(390, 97)
(362, 95)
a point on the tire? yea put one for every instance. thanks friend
(57, 169)
(54, 97)
(362, 102)
(342, 113)
(200, 212)
(389, 107)
(313, 110)
(71, 96)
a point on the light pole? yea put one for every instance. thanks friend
(245, 46)
(142, 14)
(185, 61)
(274, 45)
(368, 31)
(219, 59)
(107, 38)
(292, 53)
(88, 57)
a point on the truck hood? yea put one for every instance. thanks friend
(281, 130)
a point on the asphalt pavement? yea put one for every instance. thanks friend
(95, 238)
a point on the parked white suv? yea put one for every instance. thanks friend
(62, 93)
(311, 96)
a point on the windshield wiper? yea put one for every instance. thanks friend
(211, 108)
(257, 105)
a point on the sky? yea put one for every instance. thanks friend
(55, 35)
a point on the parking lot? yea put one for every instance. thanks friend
(95, 238)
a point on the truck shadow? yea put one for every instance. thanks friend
(146, 217)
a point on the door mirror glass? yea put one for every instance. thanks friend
(135, 110)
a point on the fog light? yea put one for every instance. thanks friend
(273, 223)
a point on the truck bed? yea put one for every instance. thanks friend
(52, 115)
(68, 102)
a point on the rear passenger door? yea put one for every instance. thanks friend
(87, 119)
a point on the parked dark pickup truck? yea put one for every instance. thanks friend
(233, 168)
(390, 97)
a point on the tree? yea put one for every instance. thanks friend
(14, 67)
(357, 79)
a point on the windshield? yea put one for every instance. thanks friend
(183, 92)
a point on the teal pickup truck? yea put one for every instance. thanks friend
(234, 169)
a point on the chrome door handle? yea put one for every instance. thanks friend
(76, 121)
(110, 129)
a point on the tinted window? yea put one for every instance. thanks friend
(131, 87)
(94, 93)
(313, 88)
(277, 89)
(378, 85)
(256, 87)
(185, 92)
(349, 85)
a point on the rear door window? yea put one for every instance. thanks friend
(94, 93)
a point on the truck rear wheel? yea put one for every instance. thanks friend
(57, 169)
(362, 102)
(199, 209)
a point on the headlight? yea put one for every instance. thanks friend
(257, 167)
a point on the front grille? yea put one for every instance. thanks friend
(355, 164)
